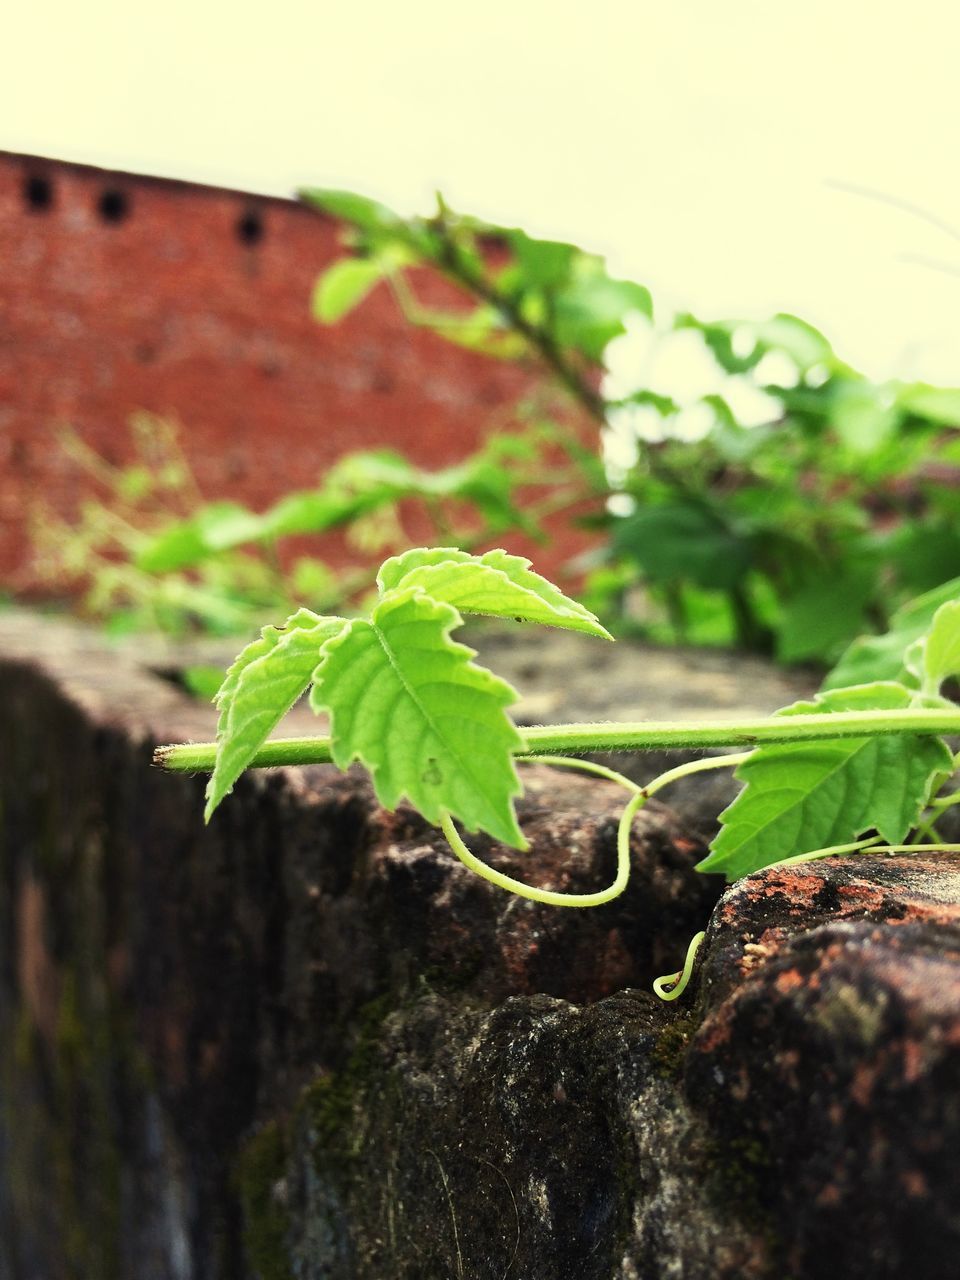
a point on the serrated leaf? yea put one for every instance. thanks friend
(806, 796)
(496, 584)
(261, 686)
(941, 650)
(407, 702)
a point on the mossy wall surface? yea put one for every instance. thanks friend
(304, 1042)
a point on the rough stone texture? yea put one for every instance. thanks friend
(304, 1042)
(827, 1060)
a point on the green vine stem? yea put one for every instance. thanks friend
(940, 803)
(672, 985)
(550, 897)
(870, 845)
(643, 735)
(553, 898)
(936, 809)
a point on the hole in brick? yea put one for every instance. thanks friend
(250, 228)
(113, 205)
(38, 193)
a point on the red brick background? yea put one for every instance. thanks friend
(123, 293)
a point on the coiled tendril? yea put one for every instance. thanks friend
(668, 987)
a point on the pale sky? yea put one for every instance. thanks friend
(693, 141)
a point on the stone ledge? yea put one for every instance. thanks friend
(304, 1042)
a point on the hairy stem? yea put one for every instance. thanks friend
(579, 739)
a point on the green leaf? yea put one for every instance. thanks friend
(312, 511)
(589, 311)
(372, 469)
(187, 542)
(133, 484)
(925, 552)
(864, 419)
(685, 540)
(807, 796)
(666, 406)
(375, 225)
(938, 404)
(881, 657)
(496, 584)
(343, 287)
(718, 336)
(261, 686)
(312, 579)
(367, 215)
(941, 651)
(543, 264)
(356, 485)
(482, 329)
(203, 681)
(823, 616)
(801, 342)
(805, 345)
(871, 658)
(429, 724)
(488, 485)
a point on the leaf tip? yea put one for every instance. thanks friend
(213, 794)
(711, 865)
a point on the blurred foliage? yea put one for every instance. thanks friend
(750, 488)
(151, 552)
(786, 505)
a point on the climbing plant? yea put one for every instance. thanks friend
(785, 503)
(149, 550)
(859, 767)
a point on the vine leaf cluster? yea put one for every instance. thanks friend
(855, 766)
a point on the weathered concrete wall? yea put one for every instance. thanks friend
(304, 1042)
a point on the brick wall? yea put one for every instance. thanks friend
(121, 292)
